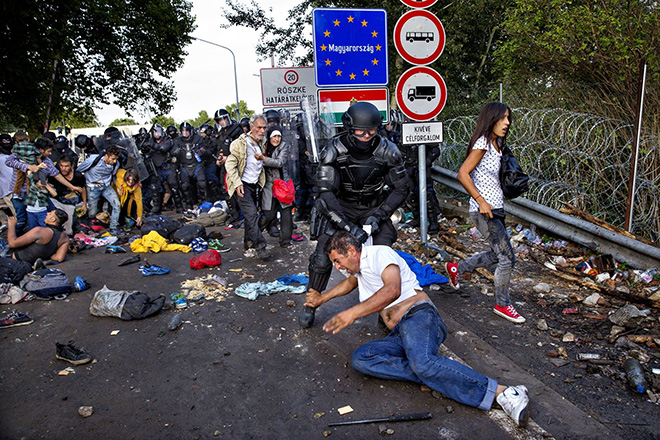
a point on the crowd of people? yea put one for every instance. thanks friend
(262, 169)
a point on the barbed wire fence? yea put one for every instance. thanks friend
(578, 158)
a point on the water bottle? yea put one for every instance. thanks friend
(175, 322)
(635, 375)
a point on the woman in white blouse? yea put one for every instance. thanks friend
(479, 175)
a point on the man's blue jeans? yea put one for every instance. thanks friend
(410, 353)
(94, 193)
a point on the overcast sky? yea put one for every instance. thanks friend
(206, 80)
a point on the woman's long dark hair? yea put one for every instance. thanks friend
(269, 147)
(489, 115)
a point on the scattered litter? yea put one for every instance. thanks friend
(293, 279)
(66, 371)
(212, 287)
(114, 333)
(175, 322)
(252, 290)
(591, 300)
(235, 270)
(345, 410)
(628, 316)
(570, 311)
(542, 288)
(542, 325)
(86, 411)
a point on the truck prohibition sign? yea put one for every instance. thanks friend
(421, 92)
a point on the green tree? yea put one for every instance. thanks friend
(85, 53)
(472, 34)
(245, 113)
(203, 118)
(164, 121)
(123, 121)
(82, 118)
(584, 53)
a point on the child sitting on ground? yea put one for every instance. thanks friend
(27, 153)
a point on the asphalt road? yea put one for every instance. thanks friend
(238, 369)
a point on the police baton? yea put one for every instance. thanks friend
(401, 418)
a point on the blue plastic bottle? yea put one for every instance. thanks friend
(635, 375)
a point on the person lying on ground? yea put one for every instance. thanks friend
(47, 243)
(410, 352)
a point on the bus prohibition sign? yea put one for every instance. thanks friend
(419, 37)
(421, 93)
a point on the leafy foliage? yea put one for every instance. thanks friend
(203, 118)
(122, 121)
(245, 112)
(164, 121)
(593, 46)
(472, 30)
(89, 52)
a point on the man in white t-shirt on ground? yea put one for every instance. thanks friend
(410, 352)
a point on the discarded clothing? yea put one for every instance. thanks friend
(10, 294)
(154, 242)
(93, 241)
(294, 279)
(252, 290)
(124, 305)
(425, 274)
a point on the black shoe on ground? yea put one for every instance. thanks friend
(274, 232)
(15, 319)
(133, 259)
(306, 318)
(264, 254)
(71, 354)
(39, 264)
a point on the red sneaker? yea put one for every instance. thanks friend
(509, 313)
(452, 274)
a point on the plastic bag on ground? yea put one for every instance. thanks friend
(124, 305)
(206, 259)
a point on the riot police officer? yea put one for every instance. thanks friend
(227, 131)
(171, 132)
(156, 152)
(188, 160)
(354, 169)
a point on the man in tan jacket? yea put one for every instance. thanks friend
(245, 176)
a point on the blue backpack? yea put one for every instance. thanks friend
(46, 283)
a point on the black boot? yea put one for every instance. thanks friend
(306, 318)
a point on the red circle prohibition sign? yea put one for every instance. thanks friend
(419, 3)
(294, 75)
(401, 97)
(398, 34)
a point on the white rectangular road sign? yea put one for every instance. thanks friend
(287, 86)
(421, 133)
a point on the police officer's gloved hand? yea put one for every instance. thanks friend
(373, 222)
(359, 233)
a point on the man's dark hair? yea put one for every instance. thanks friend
(62, 217)
(65, 158)
(43, 143)
(341, 241)
(113, 150)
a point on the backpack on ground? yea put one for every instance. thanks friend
(46, 283)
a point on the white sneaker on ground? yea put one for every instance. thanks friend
(515, 403)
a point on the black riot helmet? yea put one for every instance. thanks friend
(245, 124)
(206, 130)
(272, 117)
(171, 132)
(157, 131)
(220, 114)
(362, 115)
(142, 132)
(185, 126)
(362, 120)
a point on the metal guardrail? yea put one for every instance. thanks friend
(624, 249)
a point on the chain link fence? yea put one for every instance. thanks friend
(578, 158)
